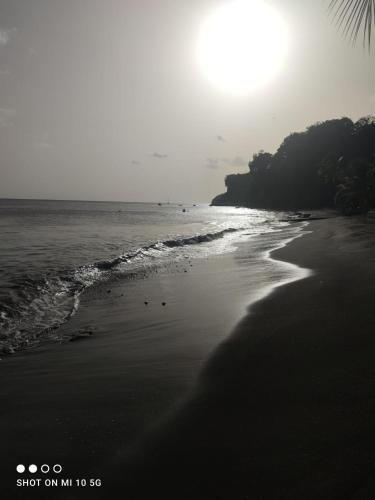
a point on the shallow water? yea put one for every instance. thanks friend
(51, 252)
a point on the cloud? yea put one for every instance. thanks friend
(5, 36)
(135, 162)
(216, 163)
(43, 142)
(212, 163)
(220, 138)
(6, 115)
(155, 154)
(237, 161)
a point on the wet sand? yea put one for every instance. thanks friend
(285, 408)
(79, 403)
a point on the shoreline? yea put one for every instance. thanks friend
(29, 331)
(280, 407)
(285, 406)
(75, 402)
(45, 343)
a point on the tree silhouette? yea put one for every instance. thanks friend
(331, 163)
(353, 16)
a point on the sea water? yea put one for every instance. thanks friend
(51, 252)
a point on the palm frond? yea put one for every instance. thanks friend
(354, 16)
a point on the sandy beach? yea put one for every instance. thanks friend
(187, 250)
(285, 407)
(282, 407)
(79, 403)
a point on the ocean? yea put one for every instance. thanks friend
(53, 252)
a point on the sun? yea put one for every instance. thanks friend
(242, 45)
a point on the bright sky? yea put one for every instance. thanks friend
(108, 100)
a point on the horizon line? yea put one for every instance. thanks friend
(97, 201)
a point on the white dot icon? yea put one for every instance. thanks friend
(44, 468)
(57, 468)
(33, 468)
(20, 468)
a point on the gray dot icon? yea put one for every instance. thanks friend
(33, 468)
(20, 468)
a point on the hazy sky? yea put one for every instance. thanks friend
(104, 99)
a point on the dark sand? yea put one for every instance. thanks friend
(78, 403)
(284, 409)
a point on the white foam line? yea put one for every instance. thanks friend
(303, 272)
(75, 304)
(299, 272)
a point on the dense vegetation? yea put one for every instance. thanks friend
(330, 164)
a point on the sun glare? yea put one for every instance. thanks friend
(242, 45)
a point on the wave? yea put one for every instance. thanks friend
(40, 307)
(162, 245)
